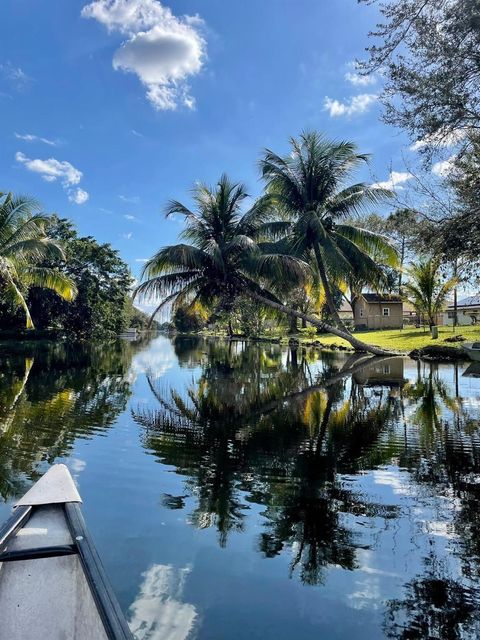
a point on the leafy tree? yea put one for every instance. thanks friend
(186, 320)
(428, 52)
(102, 278)
(426, 289)
(309, 186)
(24, 246)
(223, 260)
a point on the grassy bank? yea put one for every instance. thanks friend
(405, 340)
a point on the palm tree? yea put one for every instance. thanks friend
(24, 246)
(223, 261)
(426, 289)
(309, 188)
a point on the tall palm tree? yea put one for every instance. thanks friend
(223, 260)
(309, 187)
(24, 246)
(426, 289)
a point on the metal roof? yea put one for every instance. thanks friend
(471, 301)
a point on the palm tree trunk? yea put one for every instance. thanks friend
(328, 291)
(358, 345)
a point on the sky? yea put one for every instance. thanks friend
(109, 108)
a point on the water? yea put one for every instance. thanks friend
(239, 491)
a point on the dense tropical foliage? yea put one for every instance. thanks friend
(25, 253)
(224, 258)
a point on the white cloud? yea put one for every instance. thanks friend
(30, 137)
(127, 216)
(52, 170)
(444, 168)
(15, 75)
(161, 49)
(355, 105)
(127, 236)
(440, 139)
(394, 182)
(141, 260)
(79, 196)
(358, 80)
(131, 199)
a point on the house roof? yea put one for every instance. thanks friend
(372, 298)
(471, 301)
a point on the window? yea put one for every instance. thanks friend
(361, 313)
(386, 312)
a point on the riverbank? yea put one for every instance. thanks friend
(404, 341)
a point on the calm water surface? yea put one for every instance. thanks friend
(239, 491)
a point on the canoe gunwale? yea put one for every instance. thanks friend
(17, 520)
(36, 553)
(108, 608)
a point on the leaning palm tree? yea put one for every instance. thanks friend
(24, 248)
(223, 261)
(426, 290)
(309, 187)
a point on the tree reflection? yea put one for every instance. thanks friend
(50, 397)
(256, 428)
(434, 606)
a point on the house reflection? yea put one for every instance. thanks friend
(389, 373)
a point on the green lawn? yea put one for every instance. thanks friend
(407, 339)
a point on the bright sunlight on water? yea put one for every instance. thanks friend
(252, 491)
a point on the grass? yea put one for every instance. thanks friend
(405, 340)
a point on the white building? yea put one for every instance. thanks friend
(468, 311)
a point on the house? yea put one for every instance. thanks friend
(468, 311)
(378, 311)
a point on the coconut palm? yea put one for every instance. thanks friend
(426, 290)
(309, 188)
(223, 260)
(24, 246)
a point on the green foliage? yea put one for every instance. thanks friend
(309, 186)
(186, 320)
(26, 254)
(102, 278)
(426, 289)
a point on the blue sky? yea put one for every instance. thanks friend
(109, 108)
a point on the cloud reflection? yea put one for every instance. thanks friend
(157, 613)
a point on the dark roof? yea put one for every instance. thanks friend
(381, 297)
(471, 301)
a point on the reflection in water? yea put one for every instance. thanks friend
(157, 613)
(305, 495)
(258, 426)
(48, 398)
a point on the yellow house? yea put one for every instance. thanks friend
(378, 311)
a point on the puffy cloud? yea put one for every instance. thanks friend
(394, 181)
(355, 105)
(358, 80)
(79, 196)
(443, 168)
(30, 137)
(161, 49)
(440, 139)
(52, 170)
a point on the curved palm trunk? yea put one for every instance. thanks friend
(328, 291)
(358, 345)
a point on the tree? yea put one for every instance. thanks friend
(426, 289)
(428, 52)
(309, 186)
(102, 278)
(24, 246)
(223, 261)
(401, 225)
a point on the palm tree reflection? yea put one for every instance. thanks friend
(255, 429)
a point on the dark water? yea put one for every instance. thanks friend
(239, 491)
